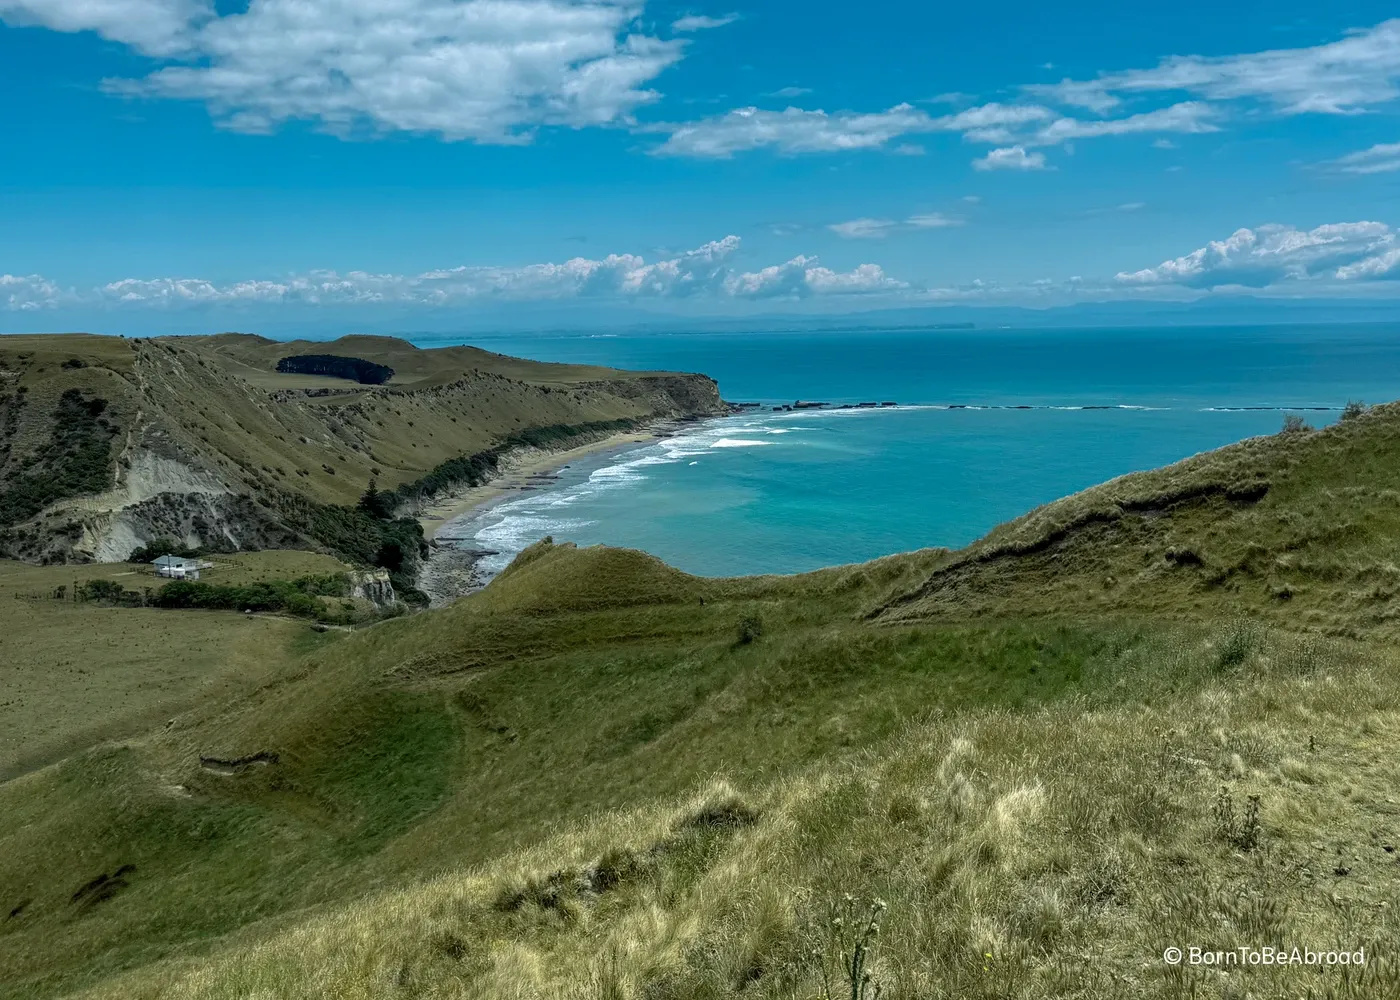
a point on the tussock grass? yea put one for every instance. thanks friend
(1032, 854)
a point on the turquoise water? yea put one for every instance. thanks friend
(785, 492)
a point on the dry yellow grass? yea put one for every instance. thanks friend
(73, 675)
(1057, 852)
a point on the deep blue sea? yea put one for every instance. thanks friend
(767, 492)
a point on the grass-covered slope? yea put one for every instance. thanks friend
(603, 778)
(107, 443)
(1301, 529)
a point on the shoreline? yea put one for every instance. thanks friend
(449, 572)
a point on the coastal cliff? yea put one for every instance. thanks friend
(108, 444)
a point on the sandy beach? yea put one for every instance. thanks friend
(526, 468)
(450, 572)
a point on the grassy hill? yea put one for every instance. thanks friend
(1102, 731)
(106, 443)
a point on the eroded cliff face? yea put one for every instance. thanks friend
(373, 585)
(177, 443)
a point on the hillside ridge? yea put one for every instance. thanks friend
(208, 444)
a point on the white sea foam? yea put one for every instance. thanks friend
(739, 443)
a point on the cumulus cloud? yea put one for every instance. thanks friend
(704, 271)
(28, 292)
(1349, 75)
(699, 22)
(801, 277)
(486, 70)
(153, 27)
(1276, 254)
(1381, 158)
(1010, 158)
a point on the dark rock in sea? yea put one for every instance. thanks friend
(957, 406)
(805, 405)
(889, 402)
(1021, 406)
(777, 409)
(865, 406)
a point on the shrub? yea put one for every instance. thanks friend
(106, 590)
(750, 628)
(296, 597)
(853, 931)
(1294, 424)
(1353, 409)
(1240, 641)
(1240, 830)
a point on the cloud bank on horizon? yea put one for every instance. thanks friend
(529, 74)
(1282, 258)
(702, 272)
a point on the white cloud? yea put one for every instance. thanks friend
(863, 279)
(858, 229)
(1382, 265)
(1132, 206)
(932, 220)
(487, 70)
(801, 277)
(699, 22)
(1381, 158)
(1188, 116)
(1274, 254)
(1163, 144)
(704, 271)
(28, 292)
(1351, 74)
(1010, 158)
(790, 131)
(863, 229)
(154, 27)
(795, 130)
(791, 92)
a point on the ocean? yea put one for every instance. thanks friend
(989, 424)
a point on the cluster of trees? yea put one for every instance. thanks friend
(76, 461)
(163, 547)
(297, 597)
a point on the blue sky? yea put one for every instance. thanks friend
(195, 165)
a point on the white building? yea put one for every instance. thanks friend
(177, 568)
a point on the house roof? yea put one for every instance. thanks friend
(173, 561)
